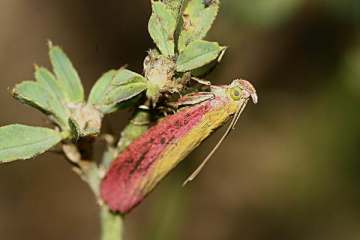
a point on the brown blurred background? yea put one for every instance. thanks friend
(290, 171)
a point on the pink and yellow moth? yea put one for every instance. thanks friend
(140, 167)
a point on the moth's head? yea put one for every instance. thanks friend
(240, 90)
(235, 94)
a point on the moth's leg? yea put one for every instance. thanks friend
(197, 85)
(187, 78)
(194, 98)
(201, 81)
(166, 110)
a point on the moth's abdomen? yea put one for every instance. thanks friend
(127, 181)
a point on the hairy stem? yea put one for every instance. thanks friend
(111, 225)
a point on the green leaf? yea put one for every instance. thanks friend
(101, 88)
(23, 142)
(126, 91)
(197, 21)
(174, 6)
(198, 54)
(48, 80)
(58, 104)
(115, 87)
(124, 76)
(40, 97)
(67, 75)
(162, 26)
(106, 109)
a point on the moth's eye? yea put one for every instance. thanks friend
(235, 93)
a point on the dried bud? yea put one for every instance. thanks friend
(87, 118)
(159, 70)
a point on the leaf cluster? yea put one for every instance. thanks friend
(177, 27)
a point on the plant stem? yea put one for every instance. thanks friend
(111, 225)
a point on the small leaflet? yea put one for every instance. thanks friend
(37, 95)
(162, 26)
(20, 142)
(116, 87)
(198, 17)
(198, 54)
(66, 75)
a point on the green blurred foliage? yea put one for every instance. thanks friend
(350, 73)
(347, 9)
(266, 13)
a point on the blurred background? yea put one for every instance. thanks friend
(290, 171)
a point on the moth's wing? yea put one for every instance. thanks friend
(123, 186)
(120, 188)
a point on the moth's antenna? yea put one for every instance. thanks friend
(238, 114)
(228, 130)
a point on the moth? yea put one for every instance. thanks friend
(142, 165)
